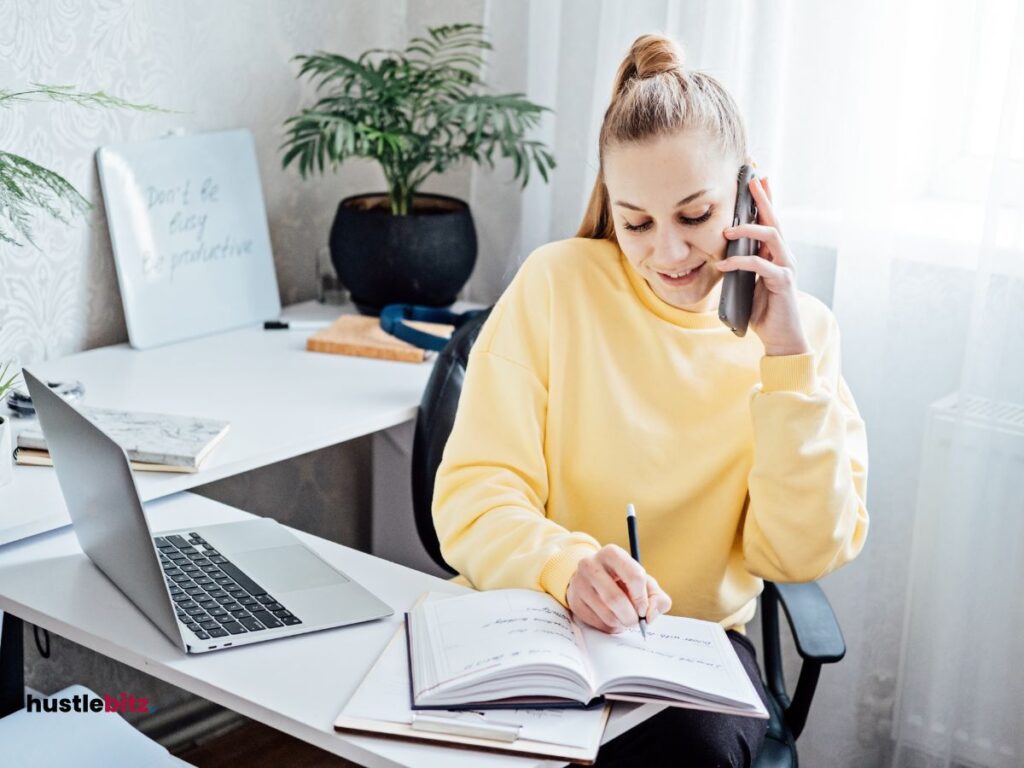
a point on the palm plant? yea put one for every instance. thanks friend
(416, 112)
(27, 188)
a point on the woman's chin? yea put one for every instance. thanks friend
(696, 297)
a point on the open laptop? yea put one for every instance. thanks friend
(205, 587)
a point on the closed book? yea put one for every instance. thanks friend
(30, 457)
(178, 443)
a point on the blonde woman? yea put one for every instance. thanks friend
(603, 376)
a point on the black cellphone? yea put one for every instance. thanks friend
(738, 285)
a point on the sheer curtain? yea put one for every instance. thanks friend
(893, 135)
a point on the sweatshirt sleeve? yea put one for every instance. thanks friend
(806, 513)
(491, 487)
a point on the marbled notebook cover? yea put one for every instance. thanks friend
(153, 438)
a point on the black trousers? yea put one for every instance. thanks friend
(687, 737)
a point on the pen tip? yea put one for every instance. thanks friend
(643, 628)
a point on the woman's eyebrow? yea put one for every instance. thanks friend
(684, 201)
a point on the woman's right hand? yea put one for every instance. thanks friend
(610, 590)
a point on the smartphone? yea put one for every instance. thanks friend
(738, 285)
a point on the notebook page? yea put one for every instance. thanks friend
(684, 652)
(486, 631)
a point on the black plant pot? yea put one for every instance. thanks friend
(424, 257)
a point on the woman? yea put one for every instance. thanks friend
(603, 376)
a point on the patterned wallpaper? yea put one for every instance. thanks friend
(219, 65)
(223, 64)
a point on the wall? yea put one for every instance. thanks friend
(218, 65)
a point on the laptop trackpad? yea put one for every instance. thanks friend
(286, 569)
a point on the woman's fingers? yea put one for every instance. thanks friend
(777, 279)
(581, 609)
(596, 605)
(628, 573)
(611, 596)
(610, 591)
(765, 211)
(767, 236)
(658, 602)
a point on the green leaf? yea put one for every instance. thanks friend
(416, 112)
(7, 379)
(25, 188)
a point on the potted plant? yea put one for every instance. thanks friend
(416, 112)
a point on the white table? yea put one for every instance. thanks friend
(281, 400)
(297, 685)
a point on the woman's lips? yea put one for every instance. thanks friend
(677, 281)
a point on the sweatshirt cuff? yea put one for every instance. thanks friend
(788, 373)
(559, 570)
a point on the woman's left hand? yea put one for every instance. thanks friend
(775, 316)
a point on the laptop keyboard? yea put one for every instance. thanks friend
(212, 596)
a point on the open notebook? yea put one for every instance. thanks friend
(521, 648)
(380, 707)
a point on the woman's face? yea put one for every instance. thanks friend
(671, 197)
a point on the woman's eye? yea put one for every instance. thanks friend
(683, 219)
(700, 219)
(638, 228)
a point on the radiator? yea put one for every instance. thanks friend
(960, 695)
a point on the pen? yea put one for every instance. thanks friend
(634, 550)
(293, 325)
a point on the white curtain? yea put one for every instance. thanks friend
(893, 135)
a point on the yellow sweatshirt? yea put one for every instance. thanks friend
(585, 392)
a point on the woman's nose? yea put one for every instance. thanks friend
(672, 249)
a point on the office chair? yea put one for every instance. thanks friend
(811, 620)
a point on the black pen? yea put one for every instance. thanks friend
(634, 550)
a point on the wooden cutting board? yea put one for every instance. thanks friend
(361, 335)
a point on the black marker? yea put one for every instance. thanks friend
(293, 325)
(634, 550)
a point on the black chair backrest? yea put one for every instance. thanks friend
(434, 422)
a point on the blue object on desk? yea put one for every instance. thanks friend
(393, 319)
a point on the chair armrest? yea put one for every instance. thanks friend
(815, 629)
(818, 641)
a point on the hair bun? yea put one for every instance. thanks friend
(654, 55)
(649, 56)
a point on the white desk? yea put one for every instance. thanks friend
(281, 401)
(297, 685)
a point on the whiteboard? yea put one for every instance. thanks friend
(189, 233)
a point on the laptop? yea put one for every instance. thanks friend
(206, 587)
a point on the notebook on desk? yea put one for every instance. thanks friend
(380, 707)
(520, 647)
(153, 441)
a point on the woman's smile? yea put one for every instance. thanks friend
(676, 279)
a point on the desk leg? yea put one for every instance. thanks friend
(12, 665)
